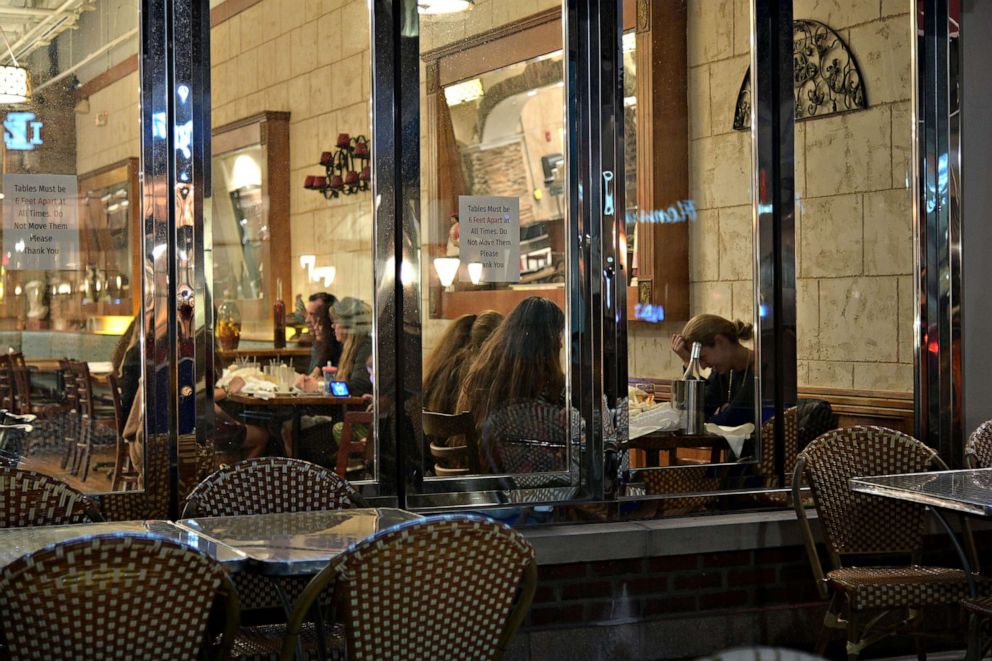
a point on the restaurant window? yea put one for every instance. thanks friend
(691, 248)
(71, 323)
(289, 250)
(496, 401)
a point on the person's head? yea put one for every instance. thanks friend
(318, 309)
(720, 339)
(441, 383)
(484, 326)
(352, 322)
(520, 360)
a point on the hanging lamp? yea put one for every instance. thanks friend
(15, 83)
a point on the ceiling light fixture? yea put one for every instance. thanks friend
(15, 84)
(444, 6)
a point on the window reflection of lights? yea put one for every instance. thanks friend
(65, 288)
(113, 207)
(547, 56)
(407, 273)
(18, 291)
(158, 125)
(475, 272)
(19, 246)
(243, 221)
(325, 273)
(651, 313)
(444, 6)
(532, 93)
(15, 87)
(158, 250)
(245, 172)
(629, 101)
(183, 91)
(446, 268)
(629, 42)
(470, 90)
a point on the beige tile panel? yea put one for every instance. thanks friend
(882, 50)
(823, 374)
(270, 18)
(290, 15)
(836, 13)
(883, 376)
(354, 28)
(800, 152)
(742, 27)
(480, 19)
(858, 319)
(323, 100)
(314, 9)
(301, 231)
(277, 97)
(303, 46)
(327, 131)
(252, 28)
(234, 35)
(347, 80)
(902, 145)
(831, 236)
(890, 7)
(330, 5)
(699, 101)
(848, 153)
(711, 297)
(725, 84)
(303, 149)
(907, 320)
(268, 74)
(329, 38)
(736, 243)
(802, 372)
(808, 318)
(299, 99)
(720, 170)
(889, 232)
(650, 347)
(220, 43)
(710, 30)
(246, 72)
(355, 119)
(704, 238)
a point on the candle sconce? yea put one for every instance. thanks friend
(347, 169)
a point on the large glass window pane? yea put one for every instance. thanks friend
(493, 249)
(290, 245)
(690, 216)
(70, 279)
(854, 229)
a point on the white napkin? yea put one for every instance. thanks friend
(259, 388)
(735, 435)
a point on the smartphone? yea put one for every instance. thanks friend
(339, 388)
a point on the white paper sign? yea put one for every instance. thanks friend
(40, 222)
(489, 233)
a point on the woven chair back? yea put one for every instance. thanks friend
(858, 523)
(269, 485)
(109, 597)
(684, 479)
(766, 464)
(978, 450)
(29, 499)
(436, 588)
(527, 436)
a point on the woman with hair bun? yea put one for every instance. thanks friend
(730, 386)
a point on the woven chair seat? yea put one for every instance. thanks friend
(264, 643)
(895, 587)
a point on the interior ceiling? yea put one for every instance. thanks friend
(32, 24)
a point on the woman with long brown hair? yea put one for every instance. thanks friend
(453, 355)
(352, 322)
(520, 360)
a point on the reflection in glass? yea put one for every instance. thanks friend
(494, 387)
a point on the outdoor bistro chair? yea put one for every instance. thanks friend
(978, 450)
(28, 499)
(115, 597)
(859, 525)
(268, 485)
(441, 587)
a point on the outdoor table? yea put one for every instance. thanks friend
(16, 542)
(967, 491)
(295, 543)
(653, 443)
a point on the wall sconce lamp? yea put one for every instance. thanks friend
(475, 272)
(447, 269)
(347, 169)
(325, 273)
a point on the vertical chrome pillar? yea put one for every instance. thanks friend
(396, 238)
(773, 190)
(938, 230)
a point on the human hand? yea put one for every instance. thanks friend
(681, 348)
(236, 384)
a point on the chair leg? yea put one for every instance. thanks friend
(87, 434)
(853, 641)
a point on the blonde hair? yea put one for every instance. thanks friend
(704, 328)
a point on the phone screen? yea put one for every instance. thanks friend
(339, 388)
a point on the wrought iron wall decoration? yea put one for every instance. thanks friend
(826, 78)
(347, 168)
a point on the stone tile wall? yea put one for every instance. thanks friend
(99, 146)
(854, 240)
